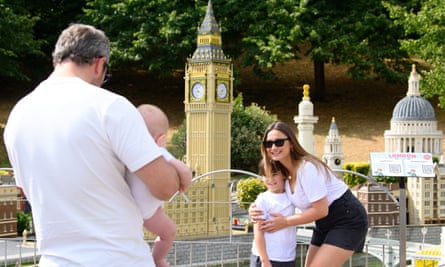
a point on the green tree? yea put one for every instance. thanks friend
(247, 128)
(159, 35)
(155, 35)
(17, 41)
(424, 26)
(248, 125)
(29, 30)
(358, 34)
(54, 16)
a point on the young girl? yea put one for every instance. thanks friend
(277, 249)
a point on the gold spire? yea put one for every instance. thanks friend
(306, 91)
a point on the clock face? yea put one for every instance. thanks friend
(221, 90)
(198, 90)
(337, 162)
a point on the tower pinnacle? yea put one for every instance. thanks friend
(209, 43)
(413, 83)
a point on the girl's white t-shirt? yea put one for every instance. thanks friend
(280, 245)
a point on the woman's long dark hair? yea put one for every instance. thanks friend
(297, 152)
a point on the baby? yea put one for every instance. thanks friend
(155, 219)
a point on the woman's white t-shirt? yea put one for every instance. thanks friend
(312, 185)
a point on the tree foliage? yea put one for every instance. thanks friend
(17, 39)
(424, 26)
(28, 31)
(357, 34)
(248, 125)
(159, 35)
(155, 35)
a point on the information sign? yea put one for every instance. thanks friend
(402, 164)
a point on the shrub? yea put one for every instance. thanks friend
(352, 180)
(23, 222)
(247, 190)
(178, 142)
(362, 167)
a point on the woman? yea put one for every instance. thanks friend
(340, 219)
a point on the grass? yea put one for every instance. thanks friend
(362, 109)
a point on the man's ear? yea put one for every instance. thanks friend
(99, 65)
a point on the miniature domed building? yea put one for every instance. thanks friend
(414, 130)
(414, 124)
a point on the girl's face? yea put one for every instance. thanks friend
(277, 145)
(275, 182)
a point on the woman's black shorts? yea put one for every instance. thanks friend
(345, 226)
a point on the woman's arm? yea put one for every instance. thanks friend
(318, 210)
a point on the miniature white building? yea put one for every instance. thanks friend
(414, 130)
(333, 150)
(306, 121)
(414, 124)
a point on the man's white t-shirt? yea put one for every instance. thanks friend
(69, 143)
(280, 245)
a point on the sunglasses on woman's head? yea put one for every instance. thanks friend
(277, 142)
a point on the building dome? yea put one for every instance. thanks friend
(413, 107)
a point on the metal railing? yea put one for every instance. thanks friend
(233, 250)
(218, 252)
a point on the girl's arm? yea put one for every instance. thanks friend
(260, 245)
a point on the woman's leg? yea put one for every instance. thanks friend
(310, 255)
(327, 256)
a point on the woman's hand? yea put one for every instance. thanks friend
(255, 214)
(278, 222)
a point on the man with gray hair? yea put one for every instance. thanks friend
(69, 142)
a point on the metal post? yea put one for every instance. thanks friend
(388, 258)
(402, 225)
(424, 230)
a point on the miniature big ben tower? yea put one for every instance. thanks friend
(208, 107)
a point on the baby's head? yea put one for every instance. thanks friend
(156, 121)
